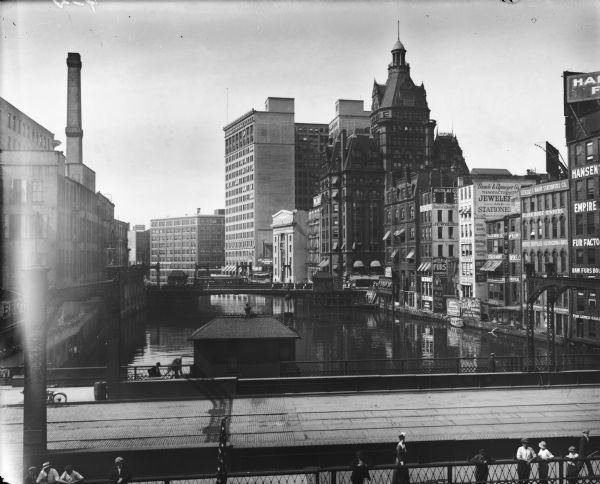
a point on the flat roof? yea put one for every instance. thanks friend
(258, 327)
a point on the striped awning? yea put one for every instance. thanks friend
(387, 234)
(424, 267)
(375, 264)
(399, 232)
(324, 263)
(394, 254)
(358, 264)
(491, 265)
(411, 254)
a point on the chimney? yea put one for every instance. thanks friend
(74, 131)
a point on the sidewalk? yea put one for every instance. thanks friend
(14, 396)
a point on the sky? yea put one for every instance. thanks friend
(161, 79)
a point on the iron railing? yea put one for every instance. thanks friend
(423, 366)
(501, 472)
(166, 372)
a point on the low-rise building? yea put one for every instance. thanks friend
(138, 245)
(290, 237)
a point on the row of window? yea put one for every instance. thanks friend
(586, 152)
(549, 201)
(427, 252)
(29, 132)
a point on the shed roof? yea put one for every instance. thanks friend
(259, 327)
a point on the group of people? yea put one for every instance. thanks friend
(174, 369)
(576, 460)
(526, 455)
(119, 474)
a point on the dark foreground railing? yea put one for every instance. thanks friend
(501, 472)
(166, 372)
(438, 365)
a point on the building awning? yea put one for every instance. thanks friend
(343, 246)
(334, 180)
(358, 264)
(335, 246)
(375, 264)
(424, 267)
(491, 265)
(387, 234)
(411, 254)
(399, 232)
(394, 254)
(334, 193)
(324, 263)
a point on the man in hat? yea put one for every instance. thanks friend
(525, 455)
(31, 476)
(119, 474)
(400, 473)
(70, 476)
(48, 475)
(481, 461)
(543, 456)
(572, 465)
(585, 451)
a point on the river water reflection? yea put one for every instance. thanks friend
(326, 334)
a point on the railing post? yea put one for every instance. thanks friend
(334, 477)
(561, 472)
(449, 474)
(345, 367)
(457, 366)
(317, 476)
(135, 373)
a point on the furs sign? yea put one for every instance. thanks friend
(583, 87)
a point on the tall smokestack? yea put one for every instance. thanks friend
(74, 131)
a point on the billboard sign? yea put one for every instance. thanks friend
(440, 267)
(453, 307)
(583, 87)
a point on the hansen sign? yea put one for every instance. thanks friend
(583, 87)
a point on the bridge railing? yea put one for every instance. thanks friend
(166, 372)
(559, 471)
(438, 365)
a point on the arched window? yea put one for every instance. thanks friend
(547, 228)
(555, 259)
(563, 261)
(388, 218)
(546, 257)
(540, 225)
(563, 232)
(396, 216)
(532, 260)
(532, 229)
(525, 257)
(554, 228)
(540, 261)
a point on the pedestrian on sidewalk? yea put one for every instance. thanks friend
(492, 362)
(542, 459)
(585, 451)
(573, 465)
(481, 461)
(119, 474)
(70, 476)
(48, 474)
(525, 454)
(360, 469)
(400, 474)
(31, 476)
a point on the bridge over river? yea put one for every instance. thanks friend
(292, 431)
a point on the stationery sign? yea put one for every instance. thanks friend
(583, 87)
